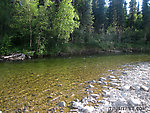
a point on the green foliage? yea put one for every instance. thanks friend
(5, 45)
(65, 20)
(53, 27)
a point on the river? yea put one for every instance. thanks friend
(40, 84)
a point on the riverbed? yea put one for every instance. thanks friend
(40, 84)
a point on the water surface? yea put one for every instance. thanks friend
(39, 84)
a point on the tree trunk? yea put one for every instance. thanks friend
(30, 29)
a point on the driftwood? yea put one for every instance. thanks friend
(14, 57)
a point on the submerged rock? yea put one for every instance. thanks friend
(77, 105)
(62, 104)
(102, 79)
(95, 95)
(90, 86)
(111, 77)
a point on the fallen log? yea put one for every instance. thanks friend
(14, 57)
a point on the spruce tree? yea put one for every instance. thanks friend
(132, 14)
(99, 15)
(146, 19)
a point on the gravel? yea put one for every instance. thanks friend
(128, 92)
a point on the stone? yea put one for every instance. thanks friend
(106, 93)
(114, 80)
(102, 79)
(88, 109)
(111, 77)
(100, 82)
(126, 87)
(113, 84)
(62, 104)
(120, 102)
(92, 81)
(134, 102)
(95, 95)
(77, 105)
(90, 86)
(142, 87)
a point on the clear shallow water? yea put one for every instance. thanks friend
(40, 84)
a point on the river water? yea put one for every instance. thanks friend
(40, 84)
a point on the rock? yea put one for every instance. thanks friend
(77, 105)
(114, 80)
(92, 81)
(142, 87)
(100, 82)
(73, 111)
(95, 95)
(59, 85)
(84, 100)
(120, 102)
(113, 84)
(88, 109)
(106, 93)
(102, 79)
(62, 104)
(90, 86)
(134, 102)
(111, 77)
(126, 87)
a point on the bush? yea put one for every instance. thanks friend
(5, 45)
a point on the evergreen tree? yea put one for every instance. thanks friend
(5, 16)
(84, 9)
(132, 14)
(125, 14)
(99, 15)
(146, 19)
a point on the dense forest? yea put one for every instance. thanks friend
(54, 27)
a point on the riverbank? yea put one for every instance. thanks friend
(128, 92)
(21, 56)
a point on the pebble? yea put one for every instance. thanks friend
(144, 88)
(90, 86)
(134, 102)
(111, 77)
(95, 95)
(62, 104)
(133, 86)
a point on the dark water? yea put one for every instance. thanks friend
(38, 85)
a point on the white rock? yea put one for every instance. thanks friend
(134, 102)
(126, 87)
(120, 102)
(113, 84)
(95, 95)
(111, 77)
(102, 79)
(106, 93)
(77, 105)
(100, 83)
(114, 80)
(88, 109)
(144, 88)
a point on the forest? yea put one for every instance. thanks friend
(56, 27)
